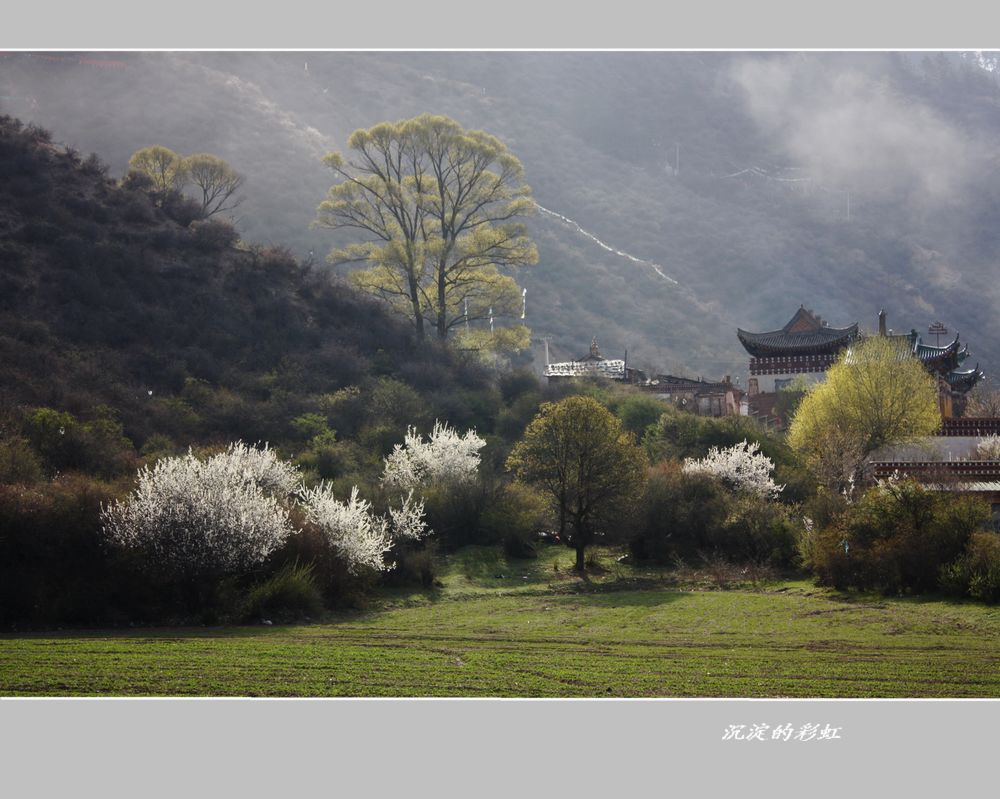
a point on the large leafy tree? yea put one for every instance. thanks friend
(577, 452)
(439, 211)
(876, 394)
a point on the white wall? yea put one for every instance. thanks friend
(931, 448)
(765, 383)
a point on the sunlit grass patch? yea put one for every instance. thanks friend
(471, 639)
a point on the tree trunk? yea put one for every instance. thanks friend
(418, 317)
(442, 300)
(579, 557)
(414, 291)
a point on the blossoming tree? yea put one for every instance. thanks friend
(355, 532)
(222, 515)
(741, 467)
(988, 448)
(445, 457)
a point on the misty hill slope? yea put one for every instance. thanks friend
(107, 300)
(847, 182)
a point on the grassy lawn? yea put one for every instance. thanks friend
(531, 628)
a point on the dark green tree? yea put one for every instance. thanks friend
(577, 452)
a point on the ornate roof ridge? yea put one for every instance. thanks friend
(933, 351)
(965, 380)
(782, 342)
(826, 328)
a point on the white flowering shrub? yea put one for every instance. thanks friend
(741, 467)
(407, 521)
(988, 448)
(262, 467)
(446, 457)
(355, 532)
(220, 515)
(358, 535)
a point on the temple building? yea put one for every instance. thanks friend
(593, 364)
(950, 460)
(942, 362)
(805, 347)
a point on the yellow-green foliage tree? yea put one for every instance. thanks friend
(439, 209)
(876, 394)
(488, 345)
(215, 180)
(577, 453)
(161, 165)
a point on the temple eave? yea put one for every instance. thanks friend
(778, 343)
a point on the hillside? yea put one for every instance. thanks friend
(844, 181)
(111, 308)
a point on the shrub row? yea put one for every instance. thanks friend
(693, 515)
(902, 537)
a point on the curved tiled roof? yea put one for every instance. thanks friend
(928, 352)
(804, 334)
(807, 334)
(964, 381)
(820, 341)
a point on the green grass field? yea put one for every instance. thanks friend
(500, 628)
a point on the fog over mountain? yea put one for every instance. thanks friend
(689, 193)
